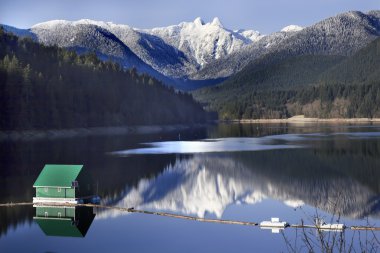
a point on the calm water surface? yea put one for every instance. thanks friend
(229, 171)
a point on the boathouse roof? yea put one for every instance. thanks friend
(58, 175)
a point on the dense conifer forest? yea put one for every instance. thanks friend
(51, 88)
(312, 85)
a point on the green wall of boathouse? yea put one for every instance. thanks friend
(55, 192)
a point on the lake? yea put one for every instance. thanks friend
(245, 172)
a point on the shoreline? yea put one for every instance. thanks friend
(301, 119)
(31, 135)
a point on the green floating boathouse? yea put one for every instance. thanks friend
(59, 183)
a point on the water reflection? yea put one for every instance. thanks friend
(21, 163)
(216, 145)
(330, 171)
(64, 221)
(310, 240)
(281, 141)
(338, 181)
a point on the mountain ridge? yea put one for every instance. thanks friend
(343, 34)
(197, 53)
(159, 49)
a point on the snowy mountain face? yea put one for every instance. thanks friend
(174, 51)
(154, 51)
(83, 34)
(151, 49)
(204, 42)
(199, 51)
(292, 28)
(343, 35)
(88, 35)
(234, 62)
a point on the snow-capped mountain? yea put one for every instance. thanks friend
(234, 62)
(204, 42)
(343, 34)
(175, 51)
(149, 48)
(200, 51)
(88, 36)
(292, 28)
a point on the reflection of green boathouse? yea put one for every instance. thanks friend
(61, 183)
(64, 221)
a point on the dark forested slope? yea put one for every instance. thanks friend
(314, 85)
(47, 87)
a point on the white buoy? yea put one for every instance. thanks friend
(274, 224)
(322, 225)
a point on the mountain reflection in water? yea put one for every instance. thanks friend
(268, 169)
(331, 168)
(216, 145)
(336, 180)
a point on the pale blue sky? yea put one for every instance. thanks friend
(263, 15)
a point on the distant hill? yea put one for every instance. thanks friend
(46, 87)
(362, 68)
(314, 85)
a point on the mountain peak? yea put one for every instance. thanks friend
(51, 23)
(198, 21)
(216, 22)
(56, 23)
(292, 28)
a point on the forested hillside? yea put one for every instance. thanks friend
(47, 87)
(313, 85)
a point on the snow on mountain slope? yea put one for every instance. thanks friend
(105, 38)
(292, 28)
(343, 34)
(204, 42)
(234, 62)
(250, 34)
(151, 49)
(175, 51)
(205, 51)
(86, 35)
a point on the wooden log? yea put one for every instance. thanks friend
(365, 228)
(178, 216)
